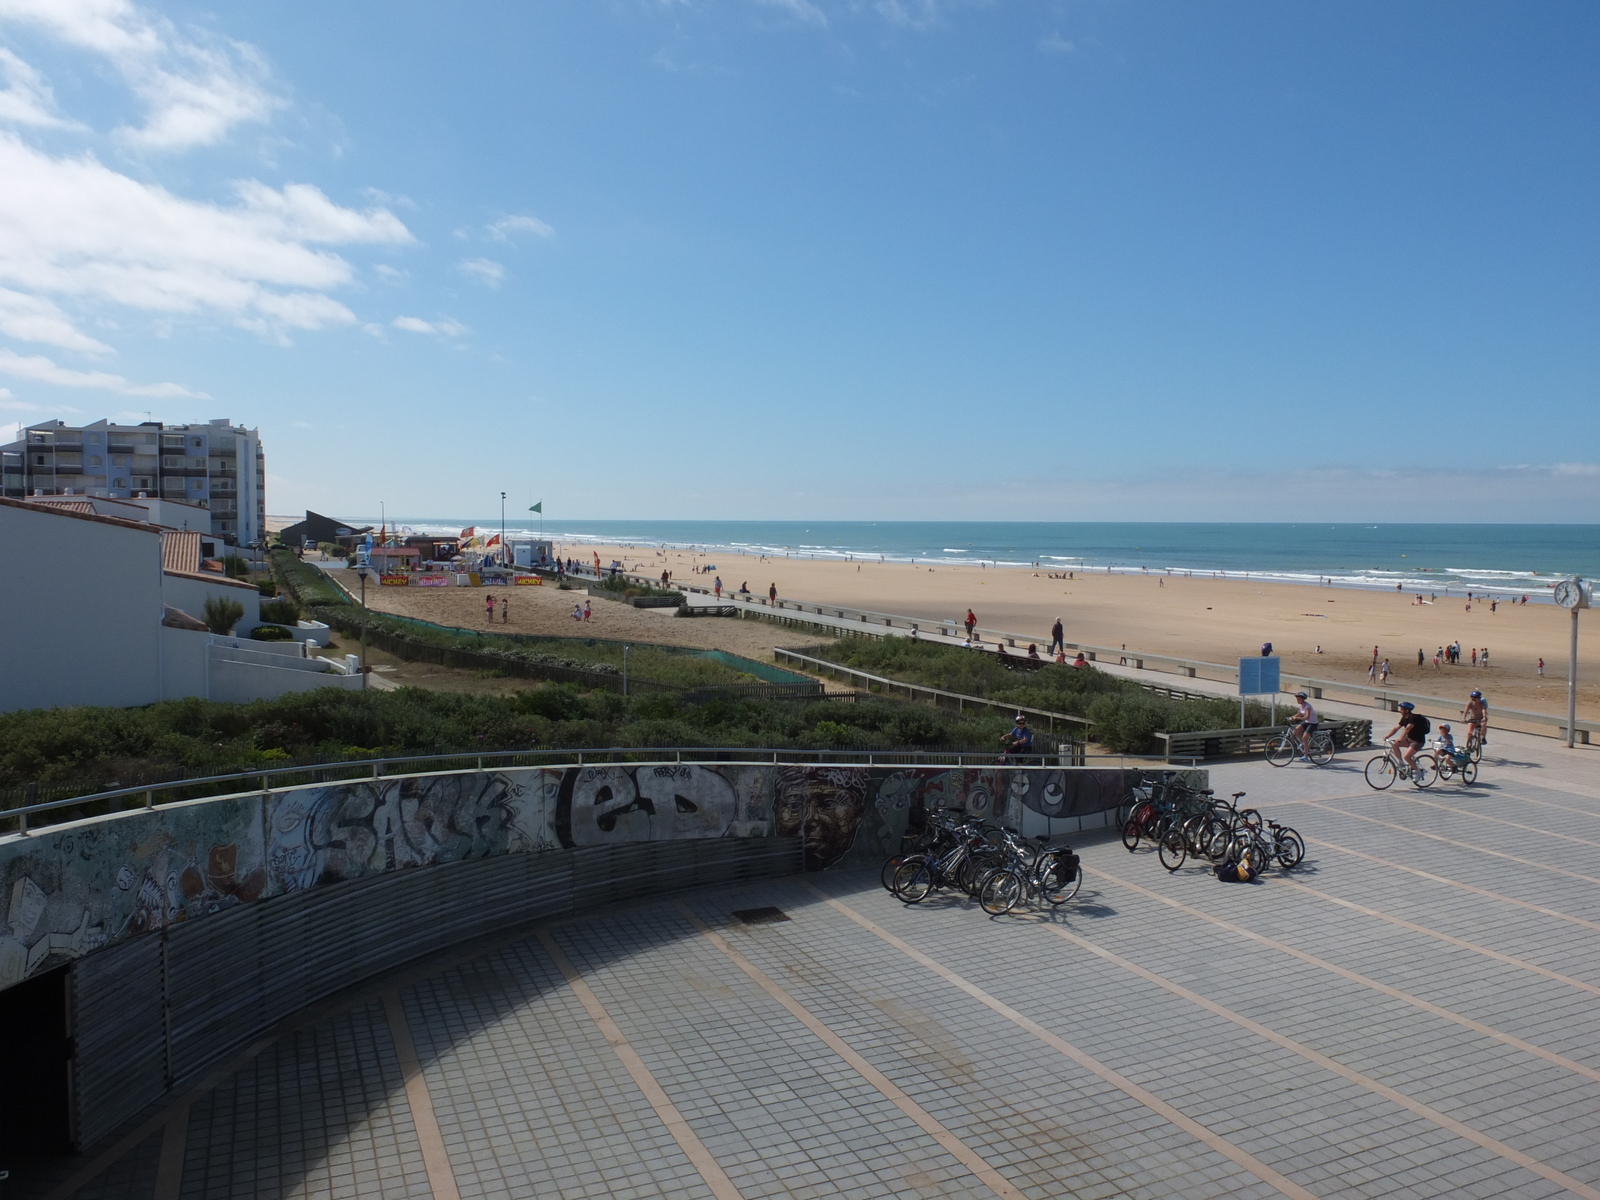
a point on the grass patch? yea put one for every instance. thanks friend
(1126, 717)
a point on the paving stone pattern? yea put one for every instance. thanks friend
(532, 1102)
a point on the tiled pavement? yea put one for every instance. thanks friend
(1415, 1016)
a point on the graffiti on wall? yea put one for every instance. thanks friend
(67, 891)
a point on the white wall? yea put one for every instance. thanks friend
(184, 663)
(190, 594)
(240, 675)
(80, 611)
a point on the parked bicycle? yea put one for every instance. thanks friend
(1031, 869)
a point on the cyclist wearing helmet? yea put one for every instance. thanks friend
(1415, 735)
(1476, 715)
(1303, 723)
(1020, 739)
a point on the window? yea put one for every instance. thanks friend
(171, 460)
(38, 460)
(119, 483)
(94, 460)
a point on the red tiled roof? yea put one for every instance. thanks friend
(57, 510)
(180, 551)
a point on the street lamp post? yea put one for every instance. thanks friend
(361, 574)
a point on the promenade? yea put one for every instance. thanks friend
(1410, 1014)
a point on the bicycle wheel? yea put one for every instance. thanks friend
(1281, 750)
(886, 875)
(1289, 847)
(1425, 771)
(1380, 772)
(914, 880)
(1469, 773)
(1174, 849)
(1133, 827)
(1001, 890)
(1322, 748)
(1054, 884)
(1475, 749)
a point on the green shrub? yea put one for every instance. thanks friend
(267, 587)
(235, 567)
(283, 611)
(221, 615)
(271, 633)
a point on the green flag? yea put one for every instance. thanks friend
(538, 508)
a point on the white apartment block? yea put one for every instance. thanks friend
(217, 467)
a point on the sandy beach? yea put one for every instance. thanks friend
(1213, 619)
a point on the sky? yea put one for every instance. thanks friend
(842, 259)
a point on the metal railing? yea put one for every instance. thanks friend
(919, 691)
(260, 781)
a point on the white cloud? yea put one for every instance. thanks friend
(27, 100)
(446, 326)
(194, 87)
(484, 270)
(390, 274)
(10, 403)
(506, 226)
(1054, 43)
(73, 227)
(802, 10)
(43, 370)
(37, 319)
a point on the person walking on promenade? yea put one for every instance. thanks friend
(1057, 636)
(971, 622)
(717, 587)
(772, 593)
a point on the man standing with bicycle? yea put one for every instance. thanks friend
(1416, 727)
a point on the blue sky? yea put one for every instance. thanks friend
(805, 258)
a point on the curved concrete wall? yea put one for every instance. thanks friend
(193, 926)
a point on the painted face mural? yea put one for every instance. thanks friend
(822, 805)
(602, 806)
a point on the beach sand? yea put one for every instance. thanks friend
(1216, 620)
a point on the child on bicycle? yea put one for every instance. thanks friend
(1020, 739)
(1446, 744)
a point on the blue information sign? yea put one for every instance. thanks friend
(1259, 676)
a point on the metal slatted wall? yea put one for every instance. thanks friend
(154, 1013)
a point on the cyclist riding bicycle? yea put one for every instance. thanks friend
(1303, 724)
(1416, 727)
(1020, 739)
(1476, 715)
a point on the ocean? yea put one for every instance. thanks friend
(1500, 559)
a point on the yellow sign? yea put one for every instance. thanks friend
(529, 581)
(394, 580)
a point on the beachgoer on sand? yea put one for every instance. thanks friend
(505, 608)
(577, 612)
(585, 610)
(1383, 671)
(1541, 668)
(488, 607)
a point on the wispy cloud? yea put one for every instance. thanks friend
(43, 370)
(10, 403)
(801, 10)
(506, 226)
(388, 274)
(1054, 43)
(446, 326)
(483, 270)
(73, 227)
(26, 99)
(37, 319)
(194, 86)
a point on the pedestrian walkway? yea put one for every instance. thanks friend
(1411, 1014)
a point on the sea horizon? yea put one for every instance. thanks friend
(1494, 558)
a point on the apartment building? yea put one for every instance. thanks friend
(218, 467)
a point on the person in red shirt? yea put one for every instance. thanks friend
(971, 622)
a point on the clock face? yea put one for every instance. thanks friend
(1567, 594)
